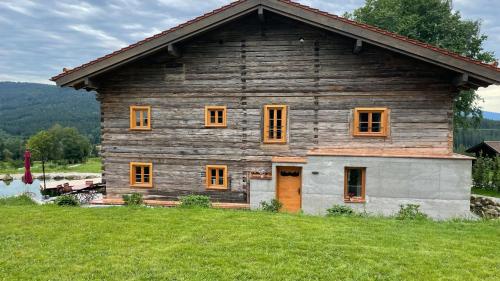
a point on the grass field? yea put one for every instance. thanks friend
(92, 165)
(55, 243)
(485, 192)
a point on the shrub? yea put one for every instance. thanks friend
(21, 200)
(410, 212)
(273, 206)
(67, 200)
(134, 199)
(340, 210)
(195, 201)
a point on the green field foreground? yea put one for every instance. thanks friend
(120, 243)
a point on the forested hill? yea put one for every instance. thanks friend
(26, 108)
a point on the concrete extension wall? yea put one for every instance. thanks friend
(440, 186)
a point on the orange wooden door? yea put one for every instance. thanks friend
(289, 188)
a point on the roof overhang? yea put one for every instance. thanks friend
(468, 71)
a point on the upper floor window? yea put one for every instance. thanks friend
(141, 174)
(275, 123)
(216, 176)
(354, 184)
(215, 116)
(370, 122)
(140, 117)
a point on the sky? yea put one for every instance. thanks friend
(40, 37)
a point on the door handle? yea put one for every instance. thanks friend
(299, 191)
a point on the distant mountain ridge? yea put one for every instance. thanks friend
(26, 108)
(491, 115)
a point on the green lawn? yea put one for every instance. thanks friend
(485, 192)
(54, 243)
(92, 165)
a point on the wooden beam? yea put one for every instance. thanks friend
(358, 47)
(461, 80)
(89, 84)
(261, 14)
(173, 51)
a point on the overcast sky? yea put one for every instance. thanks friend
(40, 37)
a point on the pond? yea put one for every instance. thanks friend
(17, 187)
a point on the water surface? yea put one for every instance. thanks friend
(17, 187)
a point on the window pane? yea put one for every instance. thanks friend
(363, 117)
(146, 174)
(138, 178)
(220, 117)
(212, 116)
(363, 127)
(354, 182)
(271, 123)
(145, 116)
(138, 118)
(376, 117)
(213, 176)
(221, 176)
(376, 128)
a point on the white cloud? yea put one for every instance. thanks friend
(79, 10)
(103, 39)
(491, 96)
(24, 7)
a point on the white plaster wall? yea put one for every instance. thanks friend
(440, 186)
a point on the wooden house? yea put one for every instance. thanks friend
(486, 148)
(265, 99)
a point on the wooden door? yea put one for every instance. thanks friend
(289, 188)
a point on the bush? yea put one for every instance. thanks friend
(195, 201)
(486, 173)
(410, 212)
(134, 199)
(67, 200)
(21, 200)
(340, 210)
(274, 206)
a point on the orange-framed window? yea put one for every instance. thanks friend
(216, 176)
(354, 184)
(141, 174)
(275, 123)
(215, 116)
(371, 122)
(140, 117)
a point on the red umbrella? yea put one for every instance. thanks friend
(27, 179)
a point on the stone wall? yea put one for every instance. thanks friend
(440, 186)
(485, 206)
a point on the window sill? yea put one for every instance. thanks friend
(216, 188)
(216, 126)
(140, 129)
(347, 200)
(369, 136)
(141, 186)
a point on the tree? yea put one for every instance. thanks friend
(43, 146)
(73, 146)
(433, 22)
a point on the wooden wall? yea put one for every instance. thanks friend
(245, 66)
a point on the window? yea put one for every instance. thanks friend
(275, 124)
(354, 184)
(215, 116)
(370, 122)
(140, 117)
(216, 176)
(141, 174)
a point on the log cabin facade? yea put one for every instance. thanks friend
(272, 99)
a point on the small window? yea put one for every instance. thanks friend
(275, 124)
(354, 184)
(215, 116)
(216, 176)
(140, 117)
(370, 122)
(141, 174)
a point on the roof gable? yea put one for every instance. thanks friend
(483, 74)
